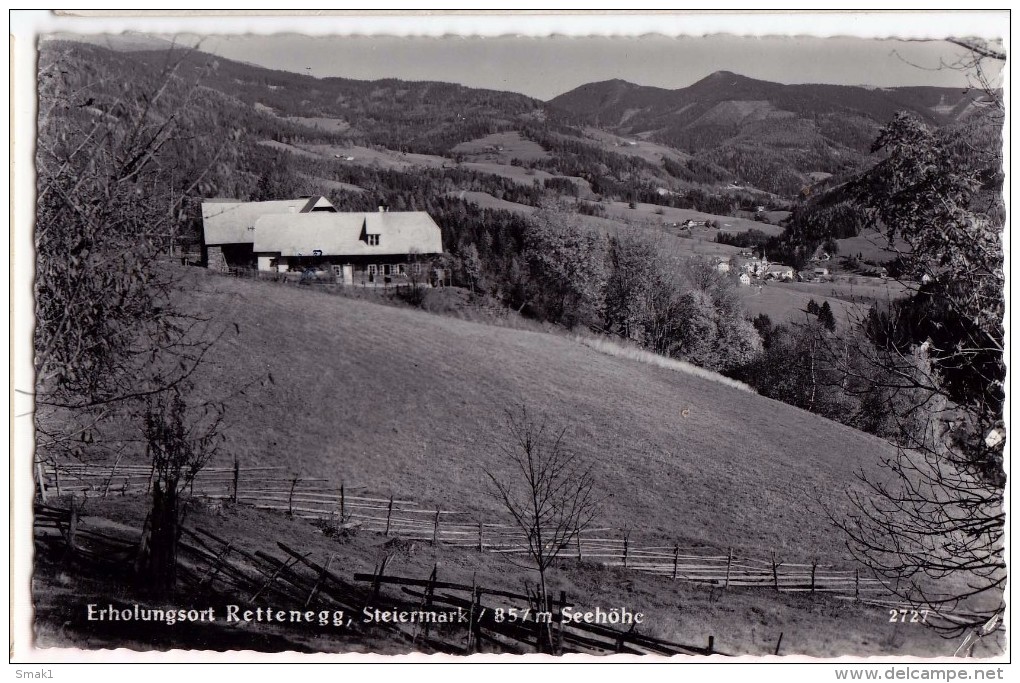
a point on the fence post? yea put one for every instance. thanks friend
(322, 576)
(729, 564)
(857, 585)
(237, 477)
(113, 470)
(559, 623)
(430, 592)
(775, 571)
(42, 481)
(471, 617)
(389, 512)
(481, 545)
(72, 525)
(626, 546)
(435, 531)
(56, 477)
(779, 642)
(377, 584)
(676, 559)
(814, 565)
(711, 644)
(577, 536)
(343, 511)
(290, 498)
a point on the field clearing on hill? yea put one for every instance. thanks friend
(665, 214)
(850, 297)
(777, 216)
(525, 176)
(320, 123)
(856, 288)
(872, 246)
(384, 157)
(787, 302)
(501, 148)
(405, 401)
(487, 201)
(636, 147)
(334, 184)
(363, 156)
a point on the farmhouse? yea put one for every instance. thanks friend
(308, 233)
(777, 271)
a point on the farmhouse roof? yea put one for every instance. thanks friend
(228, 221)
(778, 268)
(344, 234)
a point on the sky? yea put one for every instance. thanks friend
(546, 67)
(549, 66)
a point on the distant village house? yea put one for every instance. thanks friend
(308, 233)
(777, 271)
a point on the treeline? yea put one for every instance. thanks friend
(842, 375)
(551, 268)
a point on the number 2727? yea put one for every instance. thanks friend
(912, 616)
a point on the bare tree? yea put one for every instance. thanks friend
(549, 492)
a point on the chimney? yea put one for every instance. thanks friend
(382, 208)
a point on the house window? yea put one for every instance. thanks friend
(372, 269)
(401, 270)
(417, 268)
(373, 240)
(387, 269)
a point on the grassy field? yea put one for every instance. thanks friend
(850, 296)
(666, 214)
(636, 147)
(786, 302)
(872, 246)
(363, 156)
(487, 201)
(857, 289)
(333, 184)
(410, 403)
(320, 123)
(403, 401)
(501, 148)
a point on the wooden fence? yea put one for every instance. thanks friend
(290, 579)
(347, 507)
(211, 565)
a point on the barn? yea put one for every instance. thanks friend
(309, 235)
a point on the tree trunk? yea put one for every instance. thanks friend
(160, 565)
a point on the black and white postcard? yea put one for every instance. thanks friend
(630, 344)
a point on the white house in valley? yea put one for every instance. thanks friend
(777, 271)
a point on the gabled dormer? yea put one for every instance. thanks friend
(369, 238)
